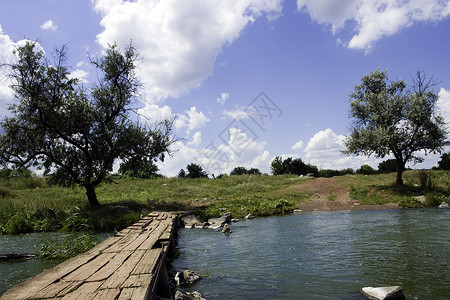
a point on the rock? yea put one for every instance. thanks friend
(422, 199)
(216, 223)
(186, 278)
(235, 220)
(190, 221)
(383, 293)
(188, 296)
(443, 205)
(249, 216)
(201, 225)
(226, 229)
(298, 210)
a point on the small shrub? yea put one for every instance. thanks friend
(19, 223)
(70, 247)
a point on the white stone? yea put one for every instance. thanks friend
(383, 293)
(443, 205)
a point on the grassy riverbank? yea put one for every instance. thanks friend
(29, 204)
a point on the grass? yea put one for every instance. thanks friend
(29, 204)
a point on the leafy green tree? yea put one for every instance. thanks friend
(292, 166)
(182, 173)
(387, 166)
(388, 119)
(195, 171)
(276, 166)
(366, 169)
(139, 168)
(444, 163)
(243, 170)
(74, 132)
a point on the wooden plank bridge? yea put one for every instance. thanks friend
(129, 265)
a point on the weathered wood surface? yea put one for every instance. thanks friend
(125, 266)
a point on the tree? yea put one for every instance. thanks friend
(388, 119)
(366, 170)
(195, 171)
(76, 133)
(243, 170)
(139, 168)
(292, 166)
(276, 166)
(387, 166)
(444, 163)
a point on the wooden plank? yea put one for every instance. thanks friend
(123, 272)
(150, 242)
(143, 280)
(110, 267)
(90, 267)
(122, 242)
(148, 262)
(137, 293)
(56, 289)
(83, 290)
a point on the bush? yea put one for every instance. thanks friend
(70, 247)
(366, 170)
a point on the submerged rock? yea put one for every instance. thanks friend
(383, 293)
(443, 205)
(216, 223)
(188, 296)
(249, 216)
(226, 229)
(186, 278)
(191, 221)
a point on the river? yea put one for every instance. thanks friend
(15, 271)
(322, 255)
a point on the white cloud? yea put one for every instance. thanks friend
(193, 120)
(182, 156)
(196, 139)
(324, 151)
(443, 105)
(223, 98)
(6, 55)
(297, 145)
(49, 25)
(79, 74)
(179, 40)
(373, 19)
(239, 150)
(153, 113)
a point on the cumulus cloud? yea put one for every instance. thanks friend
(178, 40)
(223, 98)
(298, 145)
(196, 139)
(49, 25)
(443, 105)
(373, 19)
(183, 155)
(79, 74)
(239, 149)
(193, 120)
(324, 151)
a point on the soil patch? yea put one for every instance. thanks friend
(329, 194)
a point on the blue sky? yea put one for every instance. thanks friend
(247, 79)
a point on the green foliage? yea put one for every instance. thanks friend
(292, 166)
(243, 170)
(366, 170)
(75, 133)
(71, 246)
(195, 171)
(138, 168)
(444, 163)
(389, 119)
(331, 173)
(387, 166)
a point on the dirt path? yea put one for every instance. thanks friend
(328, 194)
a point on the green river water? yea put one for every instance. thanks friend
(323, 255)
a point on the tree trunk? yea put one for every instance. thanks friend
(400, 169)
(91, 195)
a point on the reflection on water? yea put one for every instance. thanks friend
(323, 255)
(15, 271)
